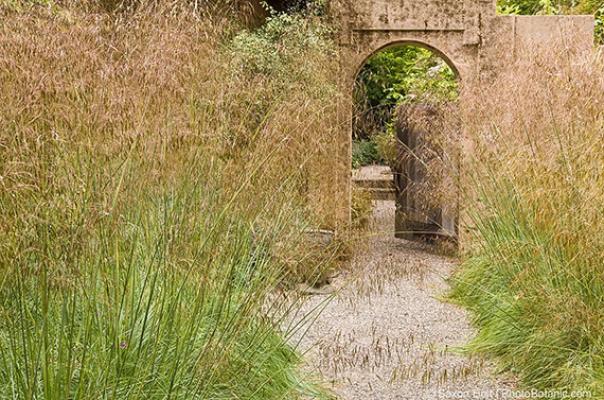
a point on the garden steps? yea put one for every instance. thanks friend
(376, 179)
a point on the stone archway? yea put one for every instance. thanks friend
(468, 34)
(418, 212)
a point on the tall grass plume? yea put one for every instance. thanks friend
(155, 187)
(533, 275)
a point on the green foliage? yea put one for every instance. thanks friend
(519, 6)
(546, 7)
(536, 300)
(394, 76)
(276, 48)
(379, 149)
(506, 8)
(365, 152)
(145, 307)
(406, 73)
(310, 7)
(600, 25)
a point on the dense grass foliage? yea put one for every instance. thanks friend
(157, 299)
(534, 276)
(154, 188)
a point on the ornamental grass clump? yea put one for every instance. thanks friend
(154, 199)
(533, 274)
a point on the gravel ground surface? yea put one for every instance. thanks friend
(386, 334)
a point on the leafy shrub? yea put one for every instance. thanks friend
(398, 75)
(279, 43)
(405, 72)
(364, 152)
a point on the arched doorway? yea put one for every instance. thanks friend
(400, 148)
(478, 43)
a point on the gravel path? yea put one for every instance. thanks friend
(386, 335)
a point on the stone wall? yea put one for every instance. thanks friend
(477, 44)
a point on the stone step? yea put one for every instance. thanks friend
(383, 194)
(385, 183)
(378, 180)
